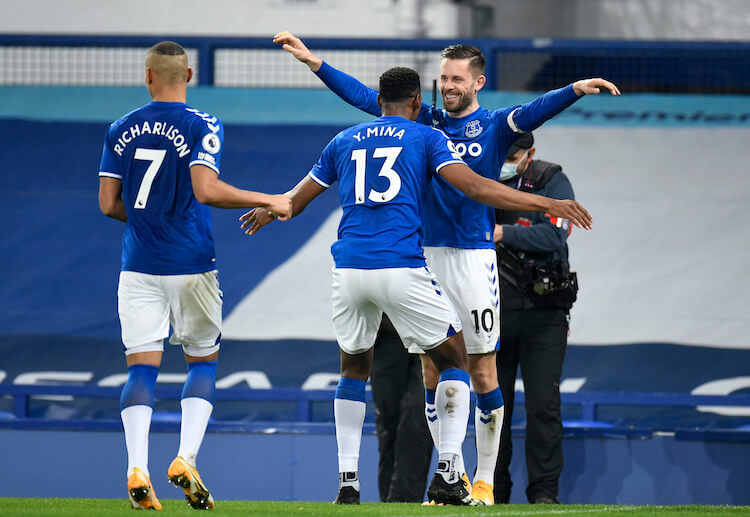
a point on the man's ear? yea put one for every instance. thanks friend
(481, 81)
(380, 102)
(149, 76)
(531, 153)
(189, 74)
(417, 101)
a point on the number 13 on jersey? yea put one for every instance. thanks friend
(359, 156)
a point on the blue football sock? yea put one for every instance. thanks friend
(139, 389)
(490, 400)
(201, 381)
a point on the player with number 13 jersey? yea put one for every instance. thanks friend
(382, 188)
(458, 231)
(384, 169)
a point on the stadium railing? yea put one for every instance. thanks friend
(512, 64)
(588, 425)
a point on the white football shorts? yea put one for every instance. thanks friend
(411, 297)
(470, 279)
(149, 304)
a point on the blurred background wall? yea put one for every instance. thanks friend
(725, 20)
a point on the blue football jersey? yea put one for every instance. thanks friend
(151, 150)
(482, 139)
(383, 169)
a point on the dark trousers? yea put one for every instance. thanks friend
(537, 340)
(404, 440)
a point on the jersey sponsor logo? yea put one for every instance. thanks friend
(211, 143)
(453, 150)
(474, 149)
(473, 129)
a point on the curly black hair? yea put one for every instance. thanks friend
(398, 84)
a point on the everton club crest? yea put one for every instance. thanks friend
(473, 129)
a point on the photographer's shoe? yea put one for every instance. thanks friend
(348, 489)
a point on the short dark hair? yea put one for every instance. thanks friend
(471, 52)
(167, 48)
(398, 84)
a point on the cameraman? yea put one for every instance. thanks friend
(537, 293)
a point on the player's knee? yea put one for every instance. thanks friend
(201, 353)
(356, 366)
(484, 379)
(482, 383)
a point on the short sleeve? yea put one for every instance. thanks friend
(440, 150)
(208, 144)
(324, 171)
(109, 167)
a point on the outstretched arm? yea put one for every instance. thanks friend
(531, 115)
(343, 85)
(295, 47)
(498, 195)
(549, 234)
(301, 195)
(210, 190)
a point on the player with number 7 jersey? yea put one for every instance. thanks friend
(159, 170)
(151, 151)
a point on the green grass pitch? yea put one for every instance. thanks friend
(106, 507)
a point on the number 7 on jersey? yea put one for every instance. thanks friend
(156, 157)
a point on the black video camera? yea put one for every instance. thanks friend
(550, 284)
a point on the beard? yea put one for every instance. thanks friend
(463, 103)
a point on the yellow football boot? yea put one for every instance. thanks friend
(184, 475)
(141, 493)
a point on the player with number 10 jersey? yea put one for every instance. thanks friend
(384, 169)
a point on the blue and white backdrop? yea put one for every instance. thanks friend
(664, 280)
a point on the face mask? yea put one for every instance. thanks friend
(508, 170)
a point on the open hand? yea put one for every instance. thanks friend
(295, 47)
(572, 210)
(594, 86)
(255, 219)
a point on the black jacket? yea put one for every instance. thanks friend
(534, 236)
